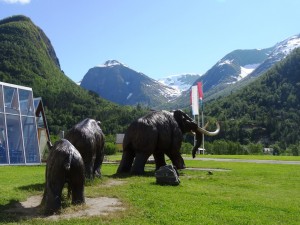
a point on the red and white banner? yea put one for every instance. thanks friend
(194, 100)
(196, 97)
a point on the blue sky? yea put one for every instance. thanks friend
(157, 37)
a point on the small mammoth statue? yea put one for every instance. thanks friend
(158, 133)
(88, 139)
(64, 165)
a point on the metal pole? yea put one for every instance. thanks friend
(194, 135)
(202, 134)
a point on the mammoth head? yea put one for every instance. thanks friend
(187, 124)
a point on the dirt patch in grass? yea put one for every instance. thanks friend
(111, 183)
(31, 208)
(93, 207)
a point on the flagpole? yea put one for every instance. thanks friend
(194, 135)
(202, 126)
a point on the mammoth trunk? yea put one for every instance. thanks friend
(198, 143)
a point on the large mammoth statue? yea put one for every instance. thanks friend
(64, 165)
(88, 139)
(158, 133)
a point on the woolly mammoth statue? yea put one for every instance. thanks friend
(64, 165)
(158, 133)
(88, 139)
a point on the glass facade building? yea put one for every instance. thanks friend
(18, 129)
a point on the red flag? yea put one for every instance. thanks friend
(200, 91)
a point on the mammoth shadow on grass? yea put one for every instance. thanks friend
(32, 187)
(15, 211)
(128, 175)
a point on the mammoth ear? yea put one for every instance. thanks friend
(178, 115)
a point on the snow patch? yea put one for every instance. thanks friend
(227, 61)
(128, 97)
(111, 63)
(285, 47)
(179, 83)
(246, 70)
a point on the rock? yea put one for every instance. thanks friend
(167, 175)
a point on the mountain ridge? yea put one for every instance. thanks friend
(27, 58)
(120, 84)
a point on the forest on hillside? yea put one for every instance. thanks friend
(266, 111)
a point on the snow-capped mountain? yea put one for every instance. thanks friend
(242, 71)
(233, 67)
(285, 47)
(238, 68)
(180, 82)
(280, 51)
(118, 83)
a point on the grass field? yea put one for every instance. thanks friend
(245, 193)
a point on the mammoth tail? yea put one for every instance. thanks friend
(68, 162)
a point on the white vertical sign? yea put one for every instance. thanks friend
(195, 102)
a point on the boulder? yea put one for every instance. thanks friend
(167, 175)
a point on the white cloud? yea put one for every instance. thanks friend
(16, 1)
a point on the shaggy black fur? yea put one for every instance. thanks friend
(88, 139)
(158, 133)
(64, 165)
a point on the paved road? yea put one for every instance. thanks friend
(248, 160)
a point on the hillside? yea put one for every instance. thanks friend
(265, 111)
(118, 83)
(278, 52)
(27, 58)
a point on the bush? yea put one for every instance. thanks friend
(186, 148)
(255, 149)
(110, 148)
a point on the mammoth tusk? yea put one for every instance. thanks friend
(209, 133)
(206, 125)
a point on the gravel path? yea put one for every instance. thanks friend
(248, 161)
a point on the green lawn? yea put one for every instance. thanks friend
(247, 193)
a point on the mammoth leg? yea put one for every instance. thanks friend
(89, 169)
(77, 194)
(97, 165)
(177, 160)
(139, 163)
(159, 160)
(76, 182)
(99, 159)
(53, 196)
(126, 162)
